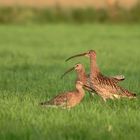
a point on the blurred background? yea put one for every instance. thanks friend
(71, 11)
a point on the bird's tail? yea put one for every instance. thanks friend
(129, 94)
(132, 95)
(44, 103)
(47, 105)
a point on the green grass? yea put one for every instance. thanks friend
(31, 62)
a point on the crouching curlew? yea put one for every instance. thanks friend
(67, 100)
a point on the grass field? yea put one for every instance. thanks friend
(31, 62)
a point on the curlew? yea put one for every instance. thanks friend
(106, 87)
(84, 78)
(67, 100)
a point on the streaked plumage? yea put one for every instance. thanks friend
(106, 87)
(84, 78)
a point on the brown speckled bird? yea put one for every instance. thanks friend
(84, 78)
(67, 100)
(106, 87)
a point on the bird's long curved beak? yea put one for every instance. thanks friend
(78, 55)
(69, 70)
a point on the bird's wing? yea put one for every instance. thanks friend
(58, 100)
(118, 78)
(61, 99)
(106, 85)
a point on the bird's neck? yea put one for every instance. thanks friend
(94, 70)
(81, 75)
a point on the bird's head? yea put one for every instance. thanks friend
(78, 67)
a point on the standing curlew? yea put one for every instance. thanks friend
(68, 99)
(105, 87)
(84, 78)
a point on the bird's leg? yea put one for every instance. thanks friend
(91, 94)
(104, 99)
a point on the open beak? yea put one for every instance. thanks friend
(88, 87)
(78, 55)
(69, 70)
